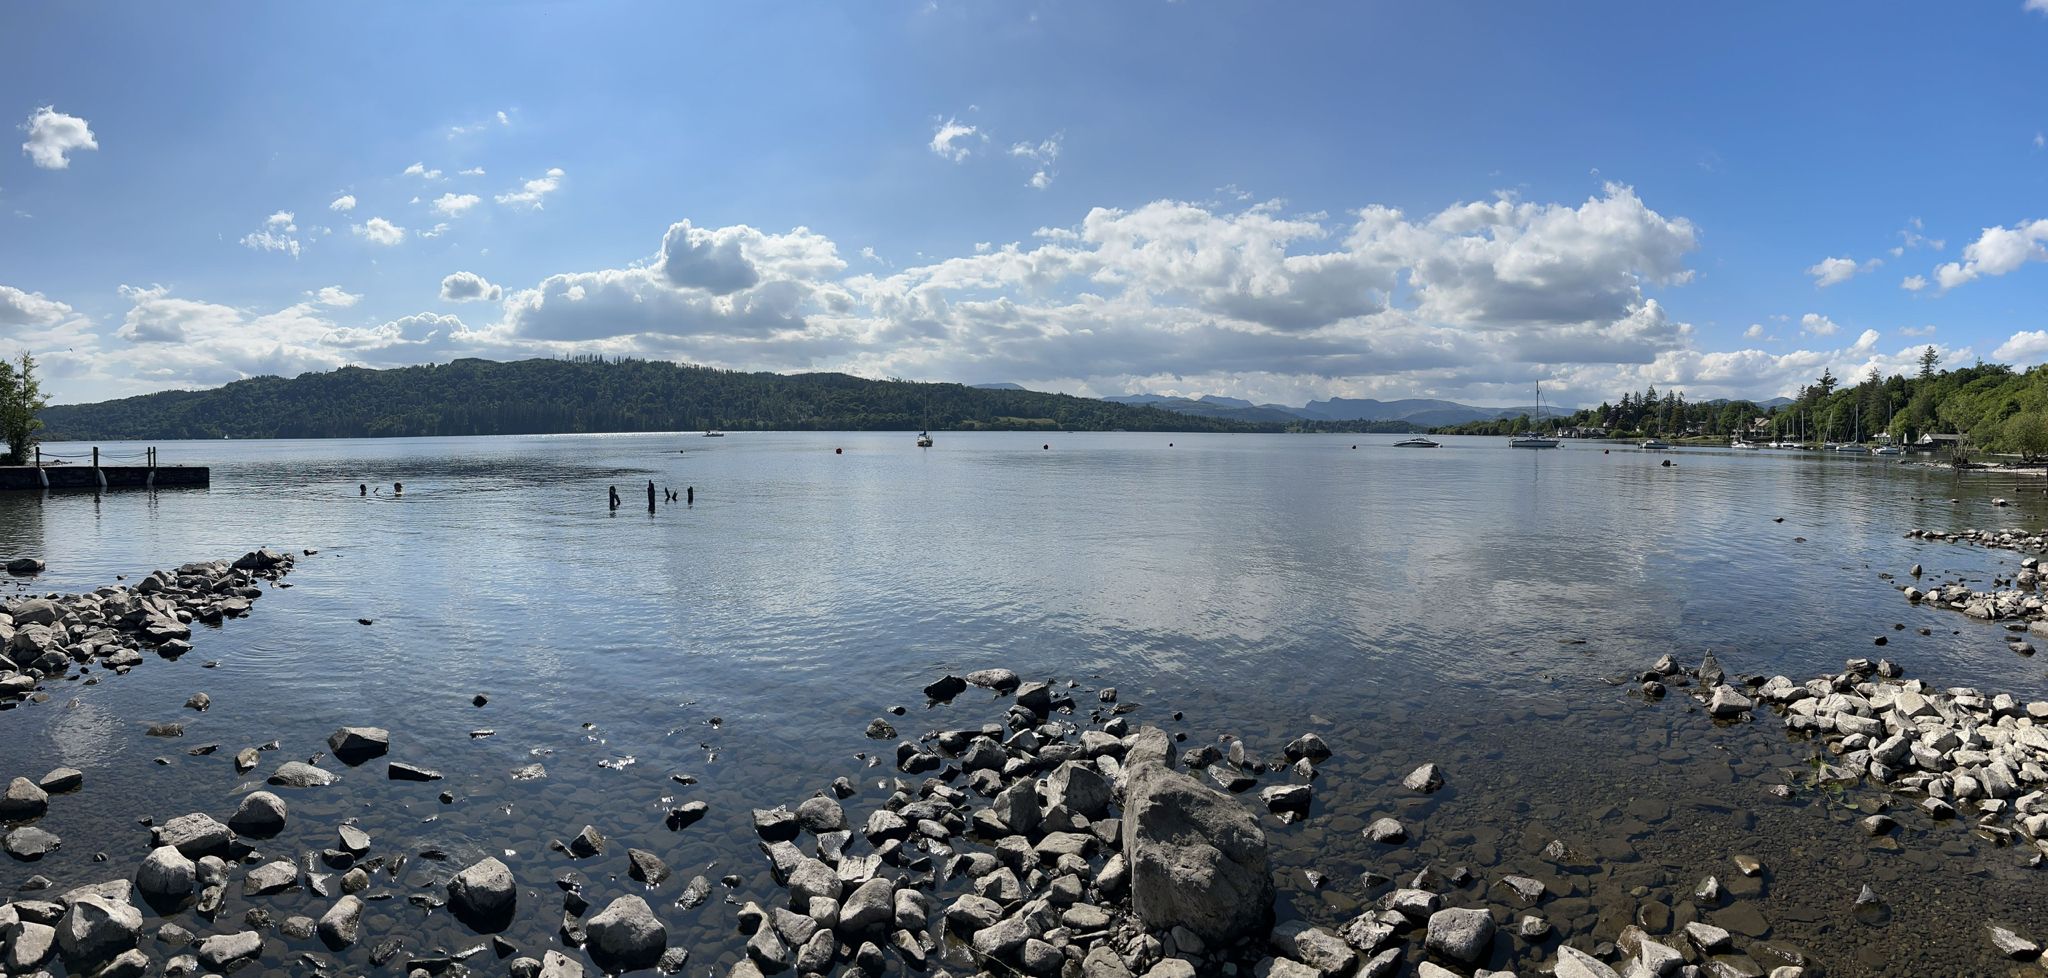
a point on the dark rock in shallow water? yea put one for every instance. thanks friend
(400, 771)
(23, 800)
(646, 867)
(29, 843)
(354, 745)
(946, 688)
(588, 842)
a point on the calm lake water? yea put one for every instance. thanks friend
(1468, 605)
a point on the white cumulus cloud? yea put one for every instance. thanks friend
(53, 136)
(379, 231)
(1997, 251)
(953, 139)
(1815, 324)
(1834, 271)
(1042, 155)
(343, 203)
(277, 234)
(420, 170)
(454, 205)
(469, 287)
(532, 192)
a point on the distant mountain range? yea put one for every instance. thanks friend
(1422, 412)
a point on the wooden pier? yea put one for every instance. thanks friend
(94, 475)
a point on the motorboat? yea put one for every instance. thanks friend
(1851, 450)
(714, 434)
(924, 439)
(1747, 446)
(1417, 442)
(1888, 450)
(1654, 445)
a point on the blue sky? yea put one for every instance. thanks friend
(1437, 199)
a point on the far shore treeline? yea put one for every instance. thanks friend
(589, 394)
(1993, 407)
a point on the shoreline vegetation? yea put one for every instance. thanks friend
(1984, 407)
(593, 395)
(1063, 836)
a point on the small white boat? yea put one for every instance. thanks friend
(1747, 446)
(1532, 439)
(1851, 450)
(714, 434)
(924, 439)
(1889, 450)
(1654, 445)
(1417, 442)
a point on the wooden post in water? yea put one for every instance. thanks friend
(41, 476)
(96, 472)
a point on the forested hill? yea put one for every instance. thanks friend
(483, 397)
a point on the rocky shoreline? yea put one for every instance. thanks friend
(1953, 756)
(1054, 835)
(55, 636)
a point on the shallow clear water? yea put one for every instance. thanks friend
(1466, 605)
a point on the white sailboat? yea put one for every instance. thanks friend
(1533, 439)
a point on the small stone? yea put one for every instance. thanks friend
(646, 867)
(1425, 779)
(221, 950)
(1386, 831)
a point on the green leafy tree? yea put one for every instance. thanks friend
(2026, 435)
(21, 399)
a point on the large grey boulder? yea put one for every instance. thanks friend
(1461, 934)
(1197, 857)
(484, 895)
(261, 814)
(869, 909)
(197, 834)
(96, 928)
(165, 874)
(626, 936)
(23, 800)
